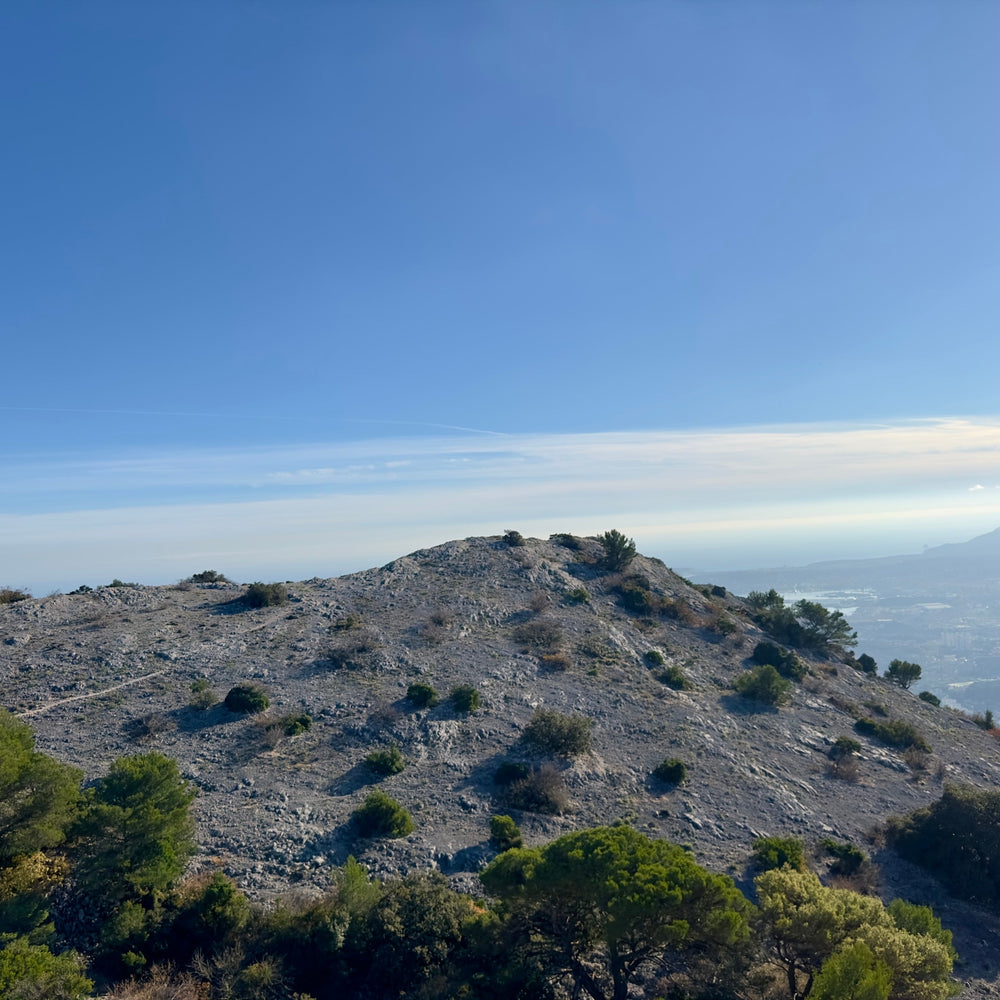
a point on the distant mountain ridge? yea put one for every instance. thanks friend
(940, 608)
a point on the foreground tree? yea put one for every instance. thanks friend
(38, 798)
(135, 834)
(809, 928)
(605, 902)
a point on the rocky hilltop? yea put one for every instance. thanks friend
(539, 624)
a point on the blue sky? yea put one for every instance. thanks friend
(292, 288)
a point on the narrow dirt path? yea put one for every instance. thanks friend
(88, 694)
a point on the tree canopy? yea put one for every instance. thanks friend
(135, 834)
(608, 900)
(807, 926)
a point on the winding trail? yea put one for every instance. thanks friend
(88, 694)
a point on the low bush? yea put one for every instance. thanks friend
(422, 695)
(294, 725)
(208, 576)
(917, 760)
(984, 720)
(896, 733)
(843, 747)
(346, 623)
(638, 600)
(783, 660)
(541, 791)
(264, 595)
(202, 695)
(385, 762)
(670, 771)
(578, 595)
(540, 635)
(540, 601)
(877, 708)
(674, 678)
(10, 596)
(555, 733)
(465, 698)
(765, 685)
(555, 661)
(566, 540)
(848, 858)
(151, 725)
(776, 852)
(246, 699)
(929, 697)
(381, 816)
(513, 538)
(867, 664)
(352, 649)
(504, 833)
(654, 658)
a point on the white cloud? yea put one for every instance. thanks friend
(322, 509)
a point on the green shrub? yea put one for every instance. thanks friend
(121, 583)
(843, 747)
(849, 858)
(202, 695)
(386, 762)
(208, 576)
(566, 540)
(10, 596)
(619, 551)
(294, 725)
(509, 772)
(956, 839)
(764, 684)
(246, 699)
(929, 697)
(513, 538)
(638, 600)
(422, 695)
(674, 678)
(381, 816)
(670, 771)
(783, 660)
(776, 852)
(264, 595)
(555, 733)
(877, 708)
(896, 733)
(867, 664)
(346, 623)
(578, 595)
(504, 833)
(654, 658)
(465, 698)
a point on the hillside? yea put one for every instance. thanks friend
(109, 672)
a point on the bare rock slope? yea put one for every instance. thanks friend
(108, 673)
